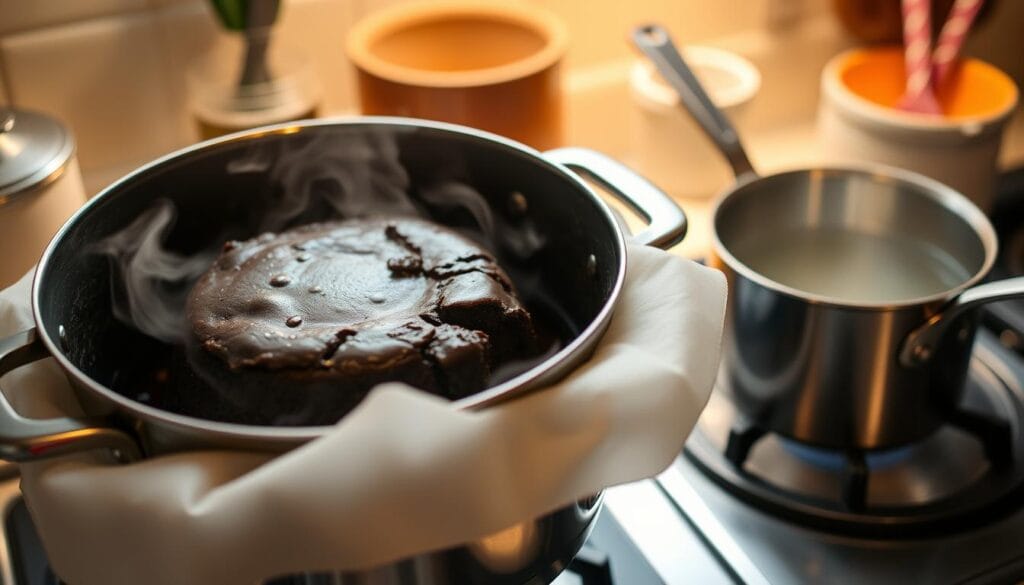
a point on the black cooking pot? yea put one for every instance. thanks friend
(225, 188)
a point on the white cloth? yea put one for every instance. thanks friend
(404, 473)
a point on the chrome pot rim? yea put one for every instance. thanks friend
(295, 435)
(948, 198)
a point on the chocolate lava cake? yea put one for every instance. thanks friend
(296, 327)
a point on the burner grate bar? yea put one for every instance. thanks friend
(855, 482)
(994, 434)
(742, 438)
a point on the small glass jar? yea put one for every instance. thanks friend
(221, 103)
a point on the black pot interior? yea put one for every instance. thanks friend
(225, 190)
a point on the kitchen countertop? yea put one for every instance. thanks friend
(778, 127)
(790, 145)
(770, 151)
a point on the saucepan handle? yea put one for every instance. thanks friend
(920, 345)
(666, 222)
(25, 439)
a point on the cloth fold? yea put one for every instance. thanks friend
(403, 474)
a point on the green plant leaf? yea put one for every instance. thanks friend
(231, 13)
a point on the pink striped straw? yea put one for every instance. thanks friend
(952, 37)
(917, 40)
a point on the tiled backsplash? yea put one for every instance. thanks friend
(115, 69)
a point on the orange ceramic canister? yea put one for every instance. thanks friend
(858, 119)
(486, 65)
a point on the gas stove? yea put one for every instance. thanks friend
(942, 511)
(691, 525)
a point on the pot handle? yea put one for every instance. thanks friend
(920, 345)
(24, 439)
(666, 222)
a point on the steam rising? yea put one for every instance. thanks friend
(150, 283)
(355, 175)
(331, 176)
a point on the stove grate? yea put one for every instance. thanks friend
(972, 470)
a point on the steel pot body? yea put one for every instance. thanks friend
(832, 373)
(579, 270)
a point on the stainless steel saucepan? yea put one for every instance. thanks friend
(852, 290)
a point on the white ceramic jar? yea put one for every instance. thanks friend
(856, 122)
(40, 187)
(666, 145)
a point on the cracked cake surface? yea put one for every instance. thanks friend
(354, 303)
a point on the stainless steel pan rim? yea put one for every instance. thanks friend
(296, 435)
(945, 196)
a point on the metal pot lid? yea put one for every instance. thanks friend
(34, 149)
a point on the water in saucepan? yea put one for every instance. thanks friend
(851, 266)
